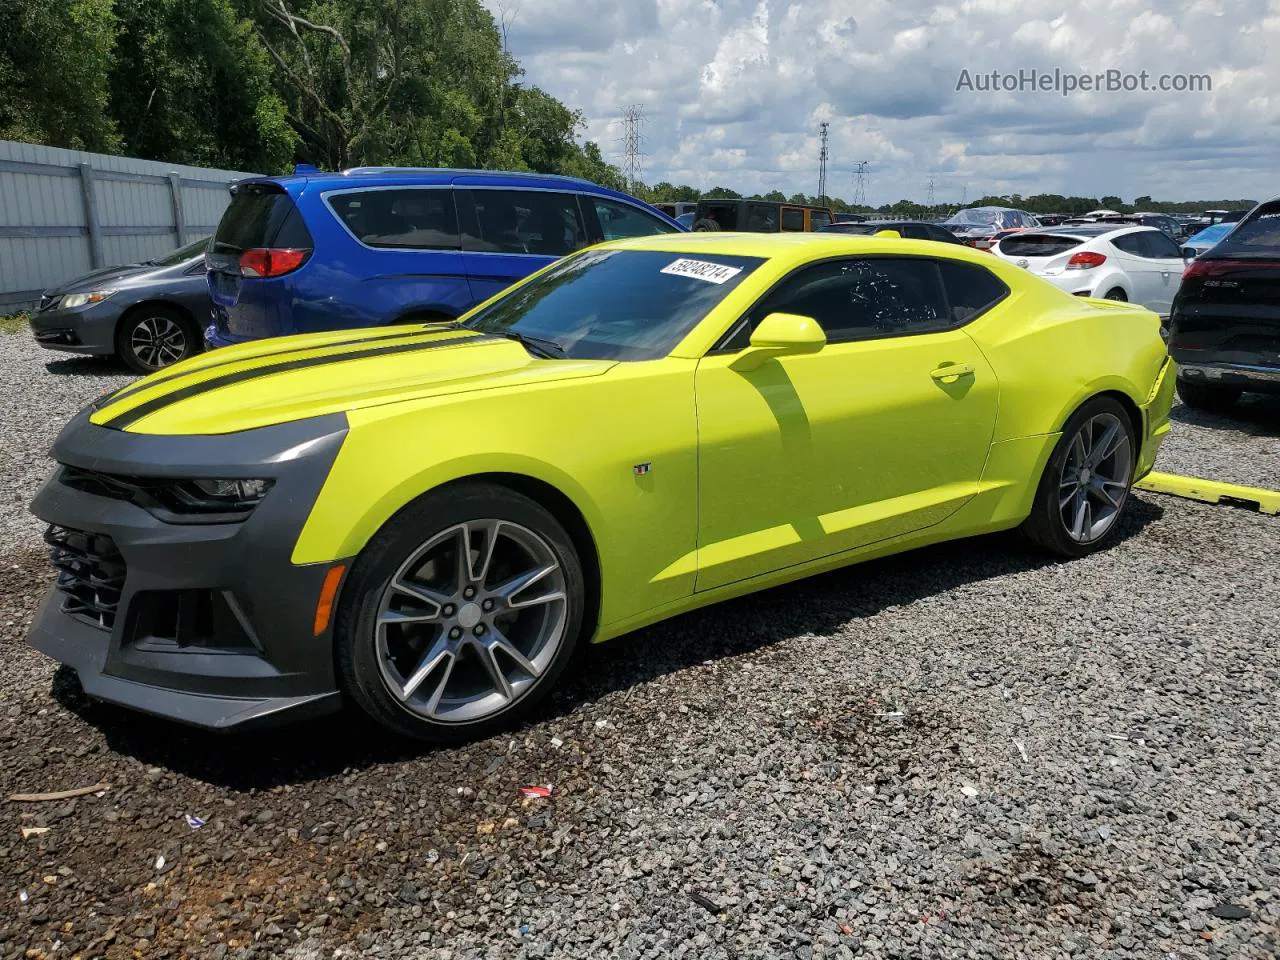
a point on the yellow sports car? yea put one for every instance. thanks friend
(429, 519)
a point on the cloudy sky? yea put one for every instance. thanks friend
(733, 92)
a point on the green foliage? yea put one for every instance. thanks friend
(190, 83)
(722, 193)
(19, 322)
(54, 60)
(262, 84)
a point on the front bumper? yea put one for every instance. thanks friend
(89, 329)
(205, 623)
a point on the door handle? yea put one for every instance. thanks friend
(952, 371)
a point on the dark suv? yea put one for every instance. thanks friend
(1224, 329)
(760, 216)
(380, 245)
(909, 229)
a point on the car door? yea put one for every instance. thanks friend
(1165, 258)
(883, 432)
(1143, 274)
(508, 234)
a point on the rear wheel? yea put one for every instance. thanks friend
(1115, 293)
(152, 338)
(460, 614)
(1203, 396)
(1084, 490)
(706, 224)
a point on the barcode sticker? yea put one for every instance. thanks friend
(701, 270)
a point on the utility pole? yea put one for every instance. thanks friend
(822, 164)
(860, 183)
(632, 121)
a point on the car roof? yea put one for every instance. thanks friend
(431, 176)
(1091, 231)
(796, 248)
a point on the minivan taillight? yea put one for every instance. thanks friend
(272, 261)
(1086, 261)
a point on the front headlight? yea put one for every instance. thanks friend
(83, 299)
(236, 494)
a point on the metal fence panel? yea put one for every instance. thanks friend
(65, 212)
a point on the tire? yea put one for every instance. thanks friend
(150, 338)
(705, 225)
(383, 652)
(1115, 293)
(1067, 478)
(1203, 396)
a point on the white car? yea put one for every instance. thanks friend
(1138, 264)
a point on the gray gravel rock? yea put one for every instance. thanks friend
(962, 752)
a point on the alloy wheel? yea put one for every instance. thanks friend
(1095, 476)
(471, 620)
(158, 341)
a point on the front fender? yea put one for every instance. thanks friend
(336, 530)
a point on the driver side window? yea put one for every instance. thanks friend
(862, 299)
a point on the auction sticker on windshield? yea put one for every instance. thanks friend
(701, 270)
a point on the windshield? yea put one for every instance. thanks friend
(616, 304)
(182, 254)
(1256, 236)
(975, 218)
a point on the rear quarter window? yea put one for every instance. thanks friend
(415, 219)
(971, 290)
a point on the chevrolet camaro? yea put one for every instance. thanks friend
(426, 520)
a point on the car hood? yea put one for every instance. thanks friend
(122, 276)
(291, 378)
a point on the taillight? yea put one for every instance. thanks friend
(272, 261)
(1086, 261)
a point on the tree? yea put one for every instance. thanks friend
(722, 193)
(1113, 203)
(54, 58)
(191, 83)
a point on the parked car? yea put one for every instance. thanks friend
(148, 314)
(1224, 332)
(1138, 264)
(675, 209)
(977, 226)
(427, 523)
(1050, 219)
(759, 216)
(910, 229)
(379, 245)
(1207, 239)
(851, 217)
(1160, 221)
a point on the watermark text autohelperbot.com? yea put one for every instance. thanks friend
(1065, 83)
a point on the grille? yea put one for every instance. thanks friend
(91, 574)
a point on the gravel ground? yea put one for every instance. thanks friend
(964, 752)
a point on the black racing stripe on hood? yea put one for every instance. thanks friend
(177, 396)
(127, 392)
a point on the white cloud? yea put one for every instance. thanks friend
(733, 91)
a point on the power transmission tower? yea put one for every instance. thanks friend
(929, 203)
(632, 137)
(860, 183)
(822, 164)
(964, 195)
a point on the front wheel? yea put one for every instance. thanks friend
(152, 338)
(1085, 486)
(460, 614)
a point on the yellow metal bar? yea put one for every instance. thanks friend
(1211, 491)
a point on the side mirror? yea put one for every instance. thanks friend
(781, 335)
(1188, 253)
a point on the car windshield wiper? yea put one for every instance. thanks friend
(538, 346)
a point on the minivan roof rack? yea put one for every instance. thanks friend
(391, 171)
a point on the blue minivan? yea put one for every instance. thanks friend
(380, 245)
